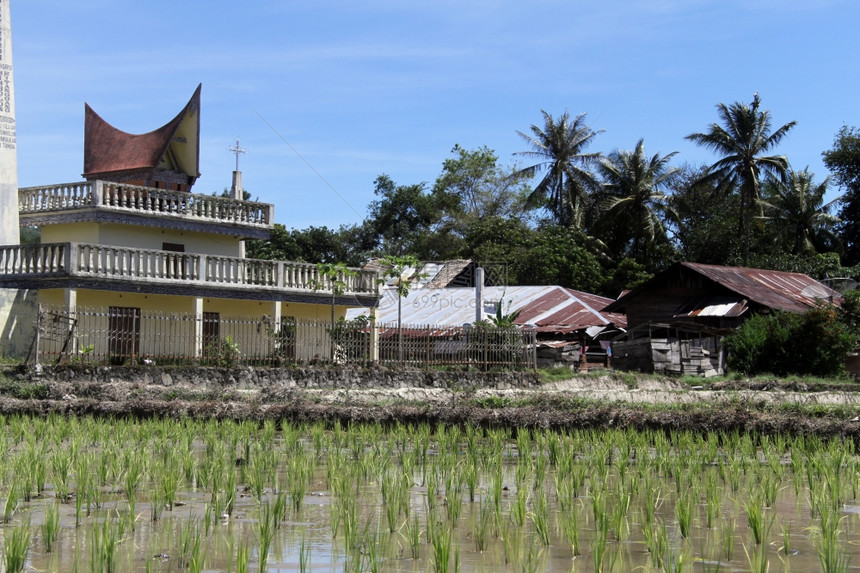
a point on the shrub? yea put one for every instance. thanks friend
(783, 343)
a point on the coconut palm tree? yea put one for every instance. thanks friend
(635, 188)
(743, 139)
(802, 222)
(559, 147)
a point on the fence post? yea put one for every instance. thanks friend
(38, 329)
(429, 345)
(374, 336)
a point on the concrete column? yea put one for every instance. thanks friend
(70, 301)
(198, 327)
(9, 226)
(374, 336)
(479, 294)
(15, 315)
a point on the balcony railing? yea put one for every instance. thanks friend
(166, 267)
(144, 201)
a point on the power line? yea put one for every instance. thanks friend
(308, 164)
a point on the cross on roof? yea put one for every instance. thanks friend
(238, 151)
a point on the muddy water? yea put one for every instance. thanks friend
(610, 504)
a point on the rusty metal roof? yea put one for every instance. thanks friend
(547, 308)
(778, 290)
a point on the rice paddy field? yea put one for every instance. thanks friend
(88, 494)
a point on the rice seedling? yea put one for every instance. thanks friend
(570, 529)
(453, 504)
(532, 559)
(619, 514)
(189, 548)
(540, 518)
(304, 556)
(684, 512)
(727, 539)
(831, 552)
(16, 546)
(657, 543)
(757, 560)
(243, 557)
(10, 506)
(759, 523)
(676, 559)
(50, 527)
(103, 545)
(265, 533)
(413, 536)
(519, 507)
(602, 557)
(481, 526)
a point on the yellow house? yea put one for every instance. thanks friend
(133, 240)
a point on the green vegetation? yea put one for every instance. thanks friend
(782, 343)
(604, 221)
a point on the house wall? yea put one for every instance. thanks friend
(142, 237)
(168, 326)
(186, 304)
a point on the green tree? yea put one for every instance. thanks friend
(559, 148)
(843, 160)
(472, 185)
(333, 277)
(350, 244)
(700, 236)
(636, 193)
(742, 140)
(402, 219)
(396, 267)
(798, 219)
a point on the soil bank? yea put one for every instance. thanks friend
(514, 400)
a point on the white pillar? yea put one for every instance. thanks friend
(479, 294)
(70, 301)
(13, 324)
(9, 226)
(374, 336)
(198, 327)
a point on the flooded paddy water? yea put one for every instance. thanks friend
(84, 494)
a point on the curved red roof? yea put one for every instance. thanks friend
(110, 150)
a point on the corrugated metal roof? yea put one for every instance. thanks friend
(714, 306)
(548, 308)
(778, 290)
(781, 290)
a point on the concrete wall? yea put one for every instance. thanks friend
(274, 378)
(17, 321)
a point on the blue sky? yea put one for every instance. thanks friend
(363, 88)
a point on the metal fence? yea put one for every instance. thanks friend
(119, 335)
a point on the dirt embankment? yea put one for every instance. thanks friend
(608, 401)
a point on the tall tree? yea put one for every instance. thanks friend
(799, 220)
(402, 218)
(473, 185)
(700, 235)
(635, 191)
(743, 139)
(559, 148)
(843, 160)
